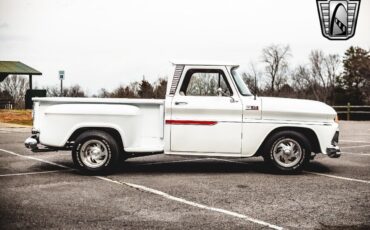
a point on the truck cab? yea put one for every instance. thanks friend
(204, 110)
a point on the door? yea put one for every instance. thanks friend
(206, 113)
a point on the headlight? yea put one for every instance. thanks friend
(336, 119)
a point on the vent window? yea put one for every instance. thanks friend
(176, 78)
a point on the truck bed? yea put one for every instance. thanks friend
(140, 122)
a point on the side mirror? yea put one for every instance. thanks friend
(220, 93)
(233, 100)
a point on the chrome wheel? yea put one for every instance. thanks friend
(287, 152)
(94, 153)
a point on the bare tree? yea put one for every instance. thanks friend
(103, 93)
(72, 91)
(53, 91)
(301, 82)
(275, 58)
(318, 79)
(324, 71)
(16, 87)
(135, 87)
(251, 78)
(123, 92)
(332, 64)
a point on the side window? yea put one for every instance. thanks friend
(205, 83)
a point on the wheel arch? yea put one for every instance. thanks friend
(307, 132)
(112, 131)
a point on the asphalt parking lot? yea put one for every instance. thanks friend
(43, 191)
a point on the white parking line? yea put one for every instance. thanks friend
(360, 154)
(163, 194)
(191, 203)
(321, 174)
(340, 177)
(13, 130)
(34, 173)
(53, 154)
(353, 141)
(34, 158)
(358, 146)
(360, 134)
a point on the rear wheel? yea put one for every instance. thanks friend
(287, 151)
(95, 151)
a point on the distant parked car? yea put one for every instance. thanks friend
(6, 103)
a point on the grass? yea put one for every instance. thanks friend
(15, 116)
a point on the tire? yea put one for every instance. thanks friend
(96, 152)
(287, 151)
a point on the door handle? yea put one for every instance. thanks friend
(180, 103)
(233, 100)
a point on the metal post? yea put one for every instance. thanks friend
(348, 111)
(30, 81)
(61, 77)
(61, 87)
(255, 86)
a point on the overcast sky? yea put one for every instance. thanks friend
(102, 44)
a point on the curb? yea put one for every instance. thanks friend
(11, 125)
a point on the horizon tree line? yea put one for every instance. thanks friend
(329, 78)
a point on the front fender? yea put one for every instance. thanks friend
(255, 133)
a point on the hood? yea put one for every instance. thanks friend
(296, 109)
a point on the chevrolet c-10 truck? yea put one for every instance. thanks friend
(208, 111)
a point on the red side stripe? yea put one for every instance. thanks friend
(189, 122)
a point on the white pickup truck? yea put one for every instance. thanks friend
(208, 111)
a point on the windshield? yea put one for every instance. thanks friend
(243, 89)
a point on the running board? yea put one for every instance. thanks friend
(206, 154)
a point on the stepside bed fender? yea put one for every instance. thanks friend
(78, 119)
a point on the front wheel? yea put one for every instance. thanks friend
(287, 151)
(95, 151)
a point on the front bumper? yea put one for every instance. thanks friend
(333, 152)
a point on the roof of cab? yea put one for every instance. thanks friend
(204, 63)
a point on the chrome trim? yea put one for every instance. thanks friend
(94, 153)
(31, 143)
(333, 152)
(35, 131)
(335, 139)
(287, 152)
